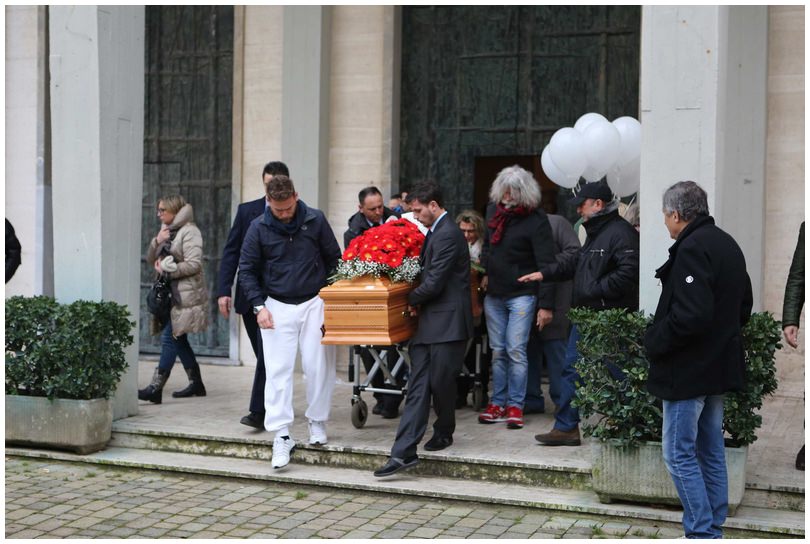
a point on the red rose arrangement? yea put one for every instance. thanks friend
(392, 250)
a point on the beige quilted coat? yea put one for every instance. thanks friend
(190, 305)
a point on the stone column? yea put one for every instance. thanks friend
(305, 100)
(97, 67)
(703, 112)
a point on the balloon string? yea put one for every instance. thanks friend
(626, 208)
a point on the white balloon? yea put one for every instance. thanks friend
(584, 121)
(625, 180)
(602, 143)
(552, 171)
(630, 131)
(591, 174)
(565, 149)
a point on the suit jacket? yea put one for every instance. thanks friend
(443, 296)
(245, 213)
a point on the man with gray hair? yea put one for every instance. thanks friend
(605, 273)
(696, 353)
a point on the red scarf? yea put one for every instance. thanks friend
(502, 217)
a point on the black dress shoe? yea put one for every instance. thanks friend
(800, 459)
(437, 443)
(390, 413)
(253, 419)
(394, 465)
(378, 408)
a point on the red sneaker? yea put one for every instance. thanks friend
(514, 417)
(493, 414)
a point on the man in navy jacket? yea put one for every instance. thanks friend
(286, 257)
(246, 213)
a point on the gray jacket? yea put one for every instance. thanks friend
(566, 246)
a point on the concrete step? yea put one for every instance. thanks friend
(749, 522)
(571, 474)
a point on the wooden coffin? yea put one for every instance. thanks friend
(367, 311)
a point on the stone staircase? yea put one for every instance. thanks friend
(486, 464)
(765, 512)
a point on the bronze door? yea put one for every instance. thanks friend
(187, 141)
(499, 81)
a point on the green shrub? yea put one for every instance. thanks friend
(68, 351)
(761, 340)
(626, 410)
(613, 368)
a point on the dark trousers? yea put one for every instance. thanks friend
(465, 383)
(390, 401)
(434, 368)
(257, 393)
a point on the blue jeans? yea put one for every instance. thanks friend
(171, 348)
(509, 321)
(553, 353)
(695, 457)
(567, 417)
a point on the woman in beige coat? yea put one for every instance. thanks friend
(176, 250)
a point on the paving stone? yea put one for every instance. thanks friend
(27, 533)
(330, 533)
(239, 533)
(471, 522)
(358, 535)
(424, 532)
(33, 519)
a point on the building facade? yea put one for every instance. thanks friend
(104, 105)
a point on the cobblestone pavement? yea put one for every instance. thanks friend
(56, 500)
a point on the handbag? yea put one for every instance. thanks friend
(159, 299)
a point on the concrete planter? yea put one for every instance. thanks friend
(83, 426)
(640, 475)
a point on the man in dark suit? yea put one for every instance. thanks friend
(442, 302)
(246, 213)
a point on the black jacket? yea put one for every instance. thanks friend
(695, 342)
(605, 270)
(290, 266)
(245, 214)
(358, 225)
(13, 251)
(527, 244)
(443, 294)
(794, 288)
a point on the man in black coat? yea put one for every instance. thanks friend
(443, 303)
(246, 213)
(696, 353)
(792, 307)
(605, 273)
(372, 213)
(13, 251)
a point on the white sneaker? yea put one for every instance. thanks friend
(282, 448)
(317, 433)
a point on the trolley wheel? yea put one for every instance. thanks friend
(359, 413)
(478, 397)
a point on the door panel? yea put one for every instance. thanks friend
(187, 141)
(496, 81)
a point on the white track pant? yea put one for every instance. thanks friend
(296, 325)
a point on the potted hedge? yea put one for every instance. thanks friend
(63, 363)
(625, 420)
